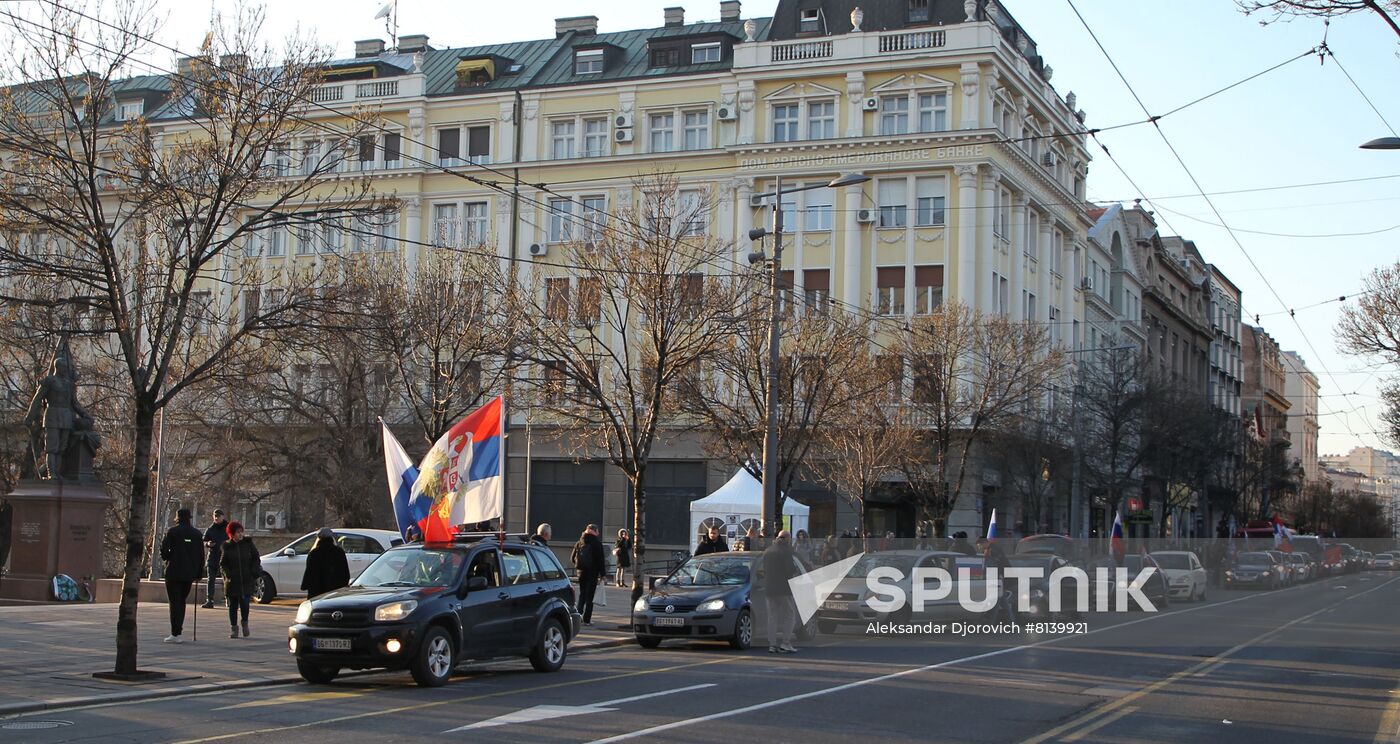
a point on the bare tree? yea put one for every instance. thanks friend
(1111, 401)
(1388, 10)
(133, 220)
(862, 450)
(970, 373)
(1035, 458)
(825, 374)
(605, 348)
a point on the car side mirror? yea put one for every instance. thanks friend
(476, 584)
(289, 553)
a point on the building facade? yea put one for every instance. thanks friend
(1300, 387)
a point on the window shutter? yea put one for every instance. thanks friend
(889, 277)
(928, 276)
(817, 279)
(478, 142)
(449, 145)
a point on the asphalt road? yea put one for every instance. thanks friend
(1316, 663)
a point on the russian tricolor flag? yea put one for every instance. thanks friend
(1281, 541)
(1115, 540)
(402, 475)
(991, 534)
(458, 482)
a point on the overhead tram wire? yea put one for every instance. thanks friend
(1195, 182)
(1333, 55)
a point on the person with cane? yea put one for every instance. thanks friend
(183, 552)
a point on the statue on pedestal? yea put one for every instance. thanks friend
(62, 436)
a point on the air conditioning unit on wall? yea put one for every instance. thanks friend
(622, 135)
(757, 200)
(1086, 284)
(538, 249)
(274, 519)
(865, 215)
(726, 113)
(872, 104)
(622, 121)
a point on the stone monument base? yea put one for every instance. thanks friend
(58, 528)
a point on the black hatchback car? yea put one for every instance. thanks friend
(427, 607)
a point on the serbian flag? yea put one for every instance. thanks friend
(402, 475)
(1281, 541)
(1115, 541)
(460, 480)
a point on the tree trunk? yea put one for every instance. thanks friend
(137, 520)
(639, 527)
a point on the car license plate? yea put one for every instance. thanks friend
(331, 644)
(671, 622)
(836, 606)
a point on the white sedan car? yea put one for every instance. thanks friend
(1186, 577)
(283, 569)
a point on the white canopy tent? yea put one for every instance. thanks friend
(736, 505)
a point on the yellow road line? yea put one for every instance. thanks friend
(1389, 730)
(1095, 726)
(296, 697)
(459, 700)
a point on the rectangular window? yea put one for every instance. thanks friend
(562, 133)
(332, 234)
(918, 11)
(277, 239)
(931, 194)
(1054, 325)
(1001, 220)
(1029, 308)
(691, 213)
(365, 156)
(665, 57)
(479, 144)
(199, 311)
(445, 228)
(889, 289)
(692, 290)
(590, 301)
(894, 115)
(810, 21)
(252, 305)
(310, 157)
(697, 130)
(785, 123)
(663, 132)
(893, 204)
(128, 110)
(1057, 244)
(560, 220)
(595, 137)
(933, 112)
(449, 146)
(282, 159)
(1003, 296)
(588, 61)
(555, 381)
(393, 145)
(821, 120)
(891, 370)
(819, 209)
(593, 218)
(928, 288)
(474, 223)
(702, 53)
(1032, 235)
(816, 289)
(556, 298)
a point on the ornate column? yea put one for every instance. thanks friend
(1016, 261)
(853, 245)
(988, 247)
(855, 98)
(412, 233)
(1046, 246)
(747, 97)
(743, 222)
(971, 101)
(505, 133)
(965, 268)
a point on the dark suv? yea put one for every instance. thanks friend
(427, 607)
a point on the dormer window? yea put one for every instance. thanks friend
(588, 61)
(701, 53)
(918, 11)
(128, 110)
(670, 57)
(810, 21)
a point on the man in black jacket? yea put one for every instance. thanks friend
(778, 568)
(183, 553)
(214, 539)
(543, 534)
(592, 562)
(712, 543)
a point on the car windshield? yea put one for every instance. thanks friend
(1173, 562)
(1254, 559)
(1133, 562)
(1385, 556)
(1030, 561)
(707, 571)
(1295, 558)
(410, 567)
(871, 561)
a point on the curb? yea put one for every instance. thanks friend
(17, 709)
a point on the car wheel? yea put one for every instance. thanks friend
(826, 626)
(648, 641)
(551, 648)
(743, 631)
(435, 660)
(264, 589)
(315, 673)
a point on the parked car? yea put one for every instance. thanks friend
(1155, 589)
(713, 597)
(1368, 560)
(426, 608)
(1303, 568)
(1257, 569)
(1061, 545)
(1387, 562)
(1315, 550)
(1036, 593)
(1287, 576)
(283, 568)
(849, 602)
(1186, 577)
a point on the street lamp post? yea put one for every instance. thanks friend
(768, 510)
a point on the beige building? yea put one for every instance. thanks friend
(1300, 387)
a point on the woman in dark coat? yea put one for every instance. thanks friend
(326, 566)
(241, 566)
(623, 550)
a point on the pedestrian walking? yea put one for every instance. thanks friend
(214, 539)
(778, 568)
(591, 563)
(326, 566)
(622, 548)
(712, 542)
(241, 567)
(543, 534)
(183, 553)
(803, 549)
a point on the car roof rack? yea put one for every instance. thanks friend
(472, 537)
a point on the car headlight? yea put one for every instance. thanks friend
(714, 605)
(641, 605)
(1229, 574)
(303, 612)
(394, 610)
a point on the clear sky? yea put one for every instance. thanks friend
(1299, 124)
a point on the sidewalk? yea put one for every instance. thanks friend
(50, 651)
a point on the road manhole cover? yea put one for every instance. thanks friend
(33, 725)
